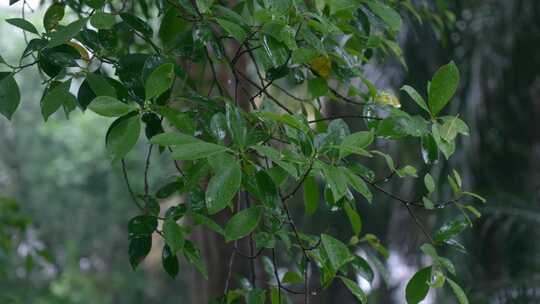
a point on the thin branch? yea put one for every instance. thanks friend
(343, 116)
(251, 82)
(128, 185)
(146, 169)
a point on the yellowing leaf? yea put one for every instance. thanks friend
(82, 51)
(322, 65)
(387, 98)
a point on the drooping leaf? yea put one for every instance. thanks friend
(173, 234)
(170, 261)
(354, 219)
(418, 286)
(458, 291)
(416, 97)
(361, 267)
(243, 223)
(336, 181)
(193, 256)
(10, 95)
(236, 124)
(311, 195)
(442, 87)
(139, 247)
(355, 289)
(57, 97)
(223, 186)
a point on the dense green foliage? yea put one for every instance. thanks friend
(204, 88)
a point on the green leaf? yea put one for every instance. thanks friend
(137, 24)
(450, 230)
(55, 98)
(160, 80)
(139, 247)
(142, 225)
(204, 5)
(356, 143)
(173, 139)
(318, 87)
(223, 186)
(110, 107)
(173, 234)
(428, 204)
(100, 86)
(243, 223)
(233, 29)
(429, 150)
(416, 97)
(170, 261)
(66, 33)
(460, 294)
(354, 289)
(429, 183)
(193, 256)
(103, 21)
(354, 219)
(268, 191)
(447, 148)
(23, 24)
(52, 16)
(312, 194)
(442, 87)
(292, 277)
(357, 183)
(255, 296)
(362, 268)
(236, 124)
(478, 197)
(418, 287)
(303, 55)
(196, 150)
(337, 252)
(10, 95)
(336, 181)
(387, 14)
(122, 136)
(97, 4)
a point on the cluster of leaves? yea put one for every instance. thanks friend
(242, 144)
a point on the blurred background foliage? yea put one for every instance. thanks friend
(63, 236)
